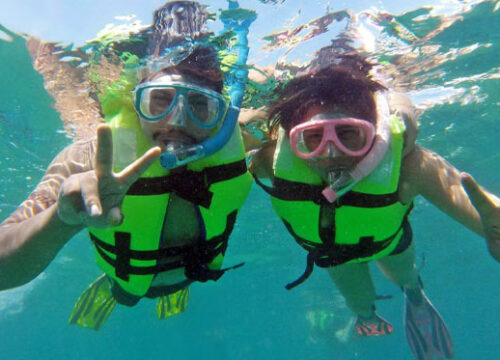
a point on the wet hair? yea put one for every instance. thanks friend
(201, 66)
(342, 82)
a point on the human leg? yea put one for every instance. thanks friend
(355, 284)
(401, 268)
(426, 331)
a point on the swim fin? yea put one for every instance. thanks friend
(172, 304)
(426, 331)
(373, 326)
(94, 305)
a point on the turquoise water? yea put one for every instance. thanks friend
(454, 81)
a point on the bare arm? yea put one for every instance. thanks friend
(31, 237)
(79, 190)
(261, 164)
(255, 117)
(428, 174)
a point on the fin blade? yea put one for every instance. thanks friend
(94, 306)
(172, 304)
(426, 331)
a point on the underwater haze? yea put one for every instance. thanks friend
(444, 54)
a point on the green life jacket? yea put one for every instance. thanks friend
(217, 185)
(366, 223)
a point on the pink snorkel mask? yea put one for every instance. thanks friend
(353, 137)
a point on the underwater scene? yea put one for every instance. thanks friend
(59, 60)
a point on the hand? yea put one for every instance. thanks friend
(260, 75)
(255, 115)
(489, 212)
(94, 198)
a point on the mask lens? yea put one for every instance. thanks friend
(204, 108)
(310, 140)
(156, 102)
(351, 136)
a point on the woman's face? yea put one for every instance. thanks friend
(331, 157)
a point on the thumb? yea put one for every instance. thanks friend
(115, 216)
(477, 195)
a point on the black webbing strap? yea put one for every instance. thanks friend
(296, 191)
(123, 268)
(327, 255)
(194, 257)
(190, 185)
(125, 250)
(306, 274)
(196, 262)
(293, 191)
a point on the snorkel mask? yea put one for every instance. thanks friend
(353, 137)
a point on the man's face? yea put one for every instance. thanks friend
(180, 115)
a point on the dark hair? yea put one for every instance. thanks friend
(343, 82)
(202, 66)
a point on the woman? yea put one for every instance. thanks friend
(345, 170)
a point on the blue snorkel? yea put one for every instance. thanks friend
(236, 20)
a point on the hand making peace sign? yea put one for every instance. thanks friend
(94, 198)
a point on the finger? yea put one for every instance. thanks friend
(104, 156)
(90, 196)
(478, 196)
(134, 171)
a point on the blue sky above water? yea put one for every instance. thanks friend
(78, 21)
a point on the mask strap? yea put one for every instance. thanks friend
(237, 20)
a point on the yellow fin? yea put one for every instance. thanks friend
(172, 304)
(94, 305)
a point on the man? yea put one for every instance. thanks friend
(159, 188)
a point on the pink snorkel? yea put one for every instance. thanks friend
(381, 143)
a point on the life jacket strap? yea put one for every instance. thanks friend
(327, 255)
(293, 191)
(203, 253)
(193, 257)
(190, 185)
(309, 269)
(296, 191)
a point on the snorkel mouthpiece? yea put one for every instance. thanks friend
(175, 157)
(178, 157)
(329, 194)
(340, 182)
